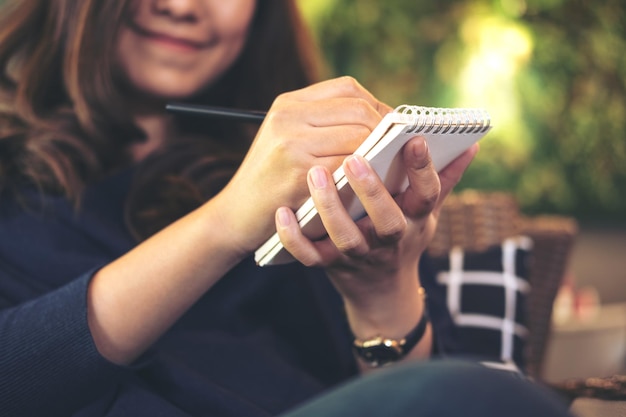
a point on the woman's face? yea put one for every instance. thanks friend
(171, 49)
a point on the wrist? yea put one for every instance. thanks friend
(390, 313)
(380, 350)
(240, 224)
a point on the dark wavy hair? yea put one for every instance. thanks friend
(63, 121)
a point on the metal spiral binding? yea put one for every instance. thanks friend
(445, 120)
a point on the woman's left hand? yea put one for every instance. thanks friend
(373, 262)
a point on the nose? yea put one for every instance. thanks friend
(177, 9)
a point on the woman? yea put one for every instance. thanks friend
(126, 283)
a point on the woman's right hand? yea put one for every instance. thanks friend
(136, 298)
(317, 125)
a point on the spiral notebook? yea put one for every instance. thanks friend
(448, 132)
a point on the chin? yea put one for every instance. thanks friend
(170, 88)
(166, 93)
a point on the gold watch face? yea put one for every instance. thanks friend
(379, 351)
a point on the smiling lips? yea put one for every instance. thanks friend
(173, 42)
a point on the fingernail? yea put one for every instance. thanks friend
(421, 149)
(283, 217)
(357, 166)
(318, 177)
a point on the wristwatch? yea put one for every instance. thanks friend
(379, 351)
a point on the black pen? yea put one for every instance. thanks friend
(221, 112)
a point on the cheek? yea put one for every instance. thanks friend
(237, 14)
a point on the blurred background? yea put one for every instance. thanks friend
(552, 74)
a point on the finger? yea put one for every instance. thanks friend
(290, 234)
(452, 174)
(335, 140)
(341, 228)
(310, 253)
(386, 216)
(424, 188)
(345, 86)
(343, 111)
(332, 111)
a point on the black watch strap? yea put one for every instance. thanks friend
(378, 351)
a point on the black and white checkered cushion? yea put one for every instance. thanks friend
(482, 296)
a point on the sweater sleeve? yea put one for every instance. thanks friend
(49, 364)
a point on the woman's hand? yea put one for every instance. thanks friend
(374, 262)
(136, 298)
(318, 125)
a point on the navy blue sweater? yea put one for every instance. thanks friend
(259, 342)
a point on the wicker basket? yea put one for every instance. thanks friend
(475, 220)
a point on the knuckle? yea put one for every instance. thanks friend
(282, 98)
(350, 84)
(374, 191)
(430, 199)
(275, 116)
(348, 80)
(427, 202)
(283, 108)
(393, 230)
(362, 131)
(351, 244)
(362, 108)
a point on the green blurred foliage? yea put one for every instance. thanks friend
(551, 73)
